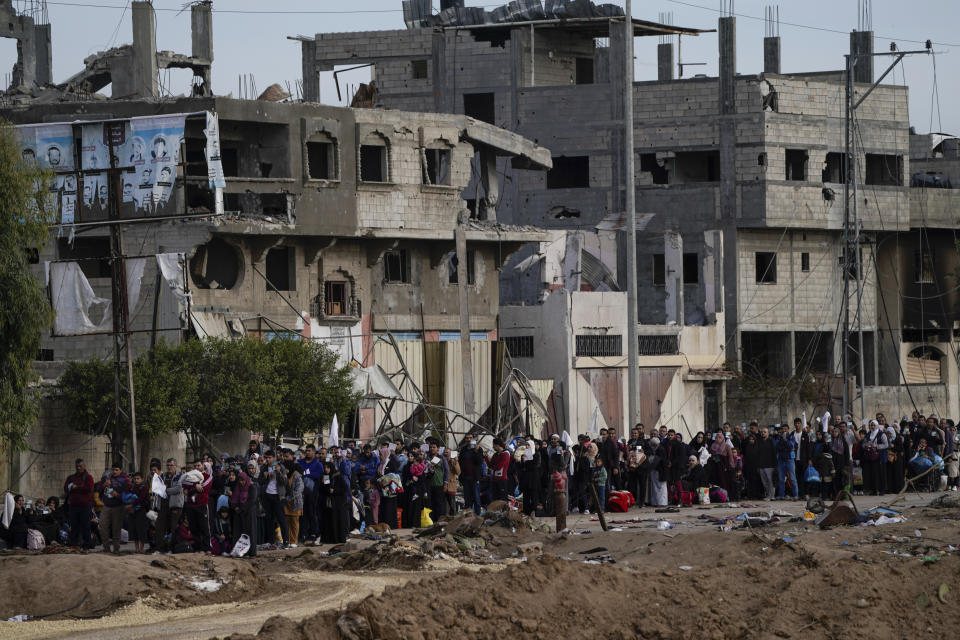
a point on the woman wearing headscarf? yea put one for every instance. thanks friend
(293, 501)
(658, 480)
(872, 450)
(721, 453)
(895, 452)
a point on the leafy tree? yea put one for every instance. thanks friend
(24, 311)
(203, 388)
(165, 383)
(87, 390)
(314, 386)
(237, 388)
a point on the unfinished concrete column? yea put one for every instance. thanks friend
(311, 74)
(673, 276)
(861, 43)
(463, 296)
(665, 61)
(771, 54)
(727, 32)
(451, 4)
(144, 49)
(490, 181)
(201, 36)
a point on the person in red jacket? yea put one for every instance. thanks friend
(499, 466)
(195, 499)
(79, 490)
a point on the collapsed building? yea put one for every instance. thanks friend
(277, 219)
(740, 183)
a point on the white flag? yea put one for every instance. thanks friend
(826, 421)
(333, 440)
(567, 440)
(804, 418)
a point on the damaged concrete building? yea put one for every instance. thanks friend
(346, 226)
(740, 193)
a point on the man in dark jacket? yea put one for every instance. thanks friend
(471, 470)
(803, 443)
(79, 490)
(112, 487)
(766, 463)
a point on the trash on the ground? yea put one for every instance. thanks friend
(604, 559)
(663, 524)
(726, 526)
(882, 511)
(207, 586)
(594, 550)
(882, 520)
(788, 539)
(685, 567)
(862, 603)
(942, 593)
(809, 515)
(19, 618)
(931, 559)
(843, 512)
(916, 532)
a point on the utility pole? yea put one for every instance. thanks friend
(851, 219)
(633, 372)
(122, 357)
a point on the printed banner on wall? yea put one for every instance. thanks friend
(160, 138)
(146, 151)
(52, 147)
(212, 152)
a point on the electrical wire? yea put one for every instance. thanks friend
(796, 24)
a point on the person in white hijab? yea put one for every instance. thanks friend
(658, 482)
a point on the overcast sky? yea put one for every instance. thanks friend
(256, 43)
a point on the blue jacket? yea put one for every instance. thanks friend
(311, 469)
(367, 465)
(786, 449)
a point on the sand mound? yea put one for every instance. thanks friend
(91, 585)
(551, 597)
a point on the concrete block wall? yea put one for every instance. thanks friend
(798, 301)
(935, 208)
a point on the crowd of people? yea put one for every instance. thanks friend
(269, 498)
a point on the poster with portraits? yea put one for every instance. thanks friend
(154, 147)
(143, 169)
(52, 147)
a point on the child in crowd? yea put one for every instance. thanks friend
(600, 481)
(221, 540)
(371, 502)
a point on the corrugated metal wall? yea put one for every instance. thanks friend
(481, 362)
(412, 353)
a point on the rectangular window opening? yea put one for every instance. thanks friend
(519, 346)
(766, 267)
(599, 345)
(335, 298)
(804, 261)
(691, 268)
(481, 106)
(281, 269)
(436, 169)
(697, 166)
(658, 345)
(569, 172)
(373, 163)
(835, 168)
(92, 254)
(321, 161)
(885, 170)
(659, 270)
(796, 164)
(396, 267)
(418, 69)
(453, 264)
(584, 71)
(649, 164)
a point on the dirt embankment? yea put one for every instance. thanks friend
(91, 585)
(747, 587)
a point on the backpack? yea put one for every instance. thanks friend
(35, 541)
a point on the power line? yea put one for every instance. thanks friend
(800, 26)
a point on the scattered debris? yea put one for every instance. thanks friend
(942, 593)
